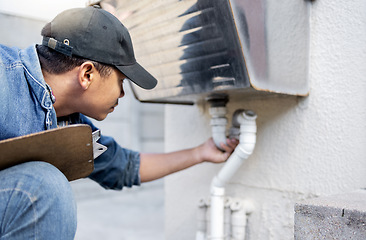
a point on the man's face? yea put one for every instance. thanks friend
(103, 94)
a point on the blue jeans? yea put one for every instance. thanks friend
(36, 202)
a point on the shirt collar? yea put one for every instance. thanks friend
(34, 76)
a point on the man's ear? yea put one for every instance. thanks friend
(86, 74)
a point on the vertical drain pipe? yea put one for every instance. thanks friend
(201, 220)
(248, 129)
(218, 119)
(240, 210)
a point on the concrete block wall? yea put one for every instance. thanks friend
(341, 216)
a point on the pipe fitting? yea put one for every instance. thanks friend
(201, 220)
(240, 115)
(218, 125)
(218, 117)
(218, 100)
(240, 211)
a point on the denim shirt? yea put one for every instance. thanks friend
(26, 106)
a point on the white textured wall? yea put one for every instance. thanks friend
(306, 147)
(20, 31)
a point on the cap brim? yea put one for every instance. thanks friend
(137, 74)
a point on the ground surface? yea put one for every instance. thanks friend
(131, 214)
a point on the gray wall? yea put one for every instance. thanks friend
(19, 31)
(135, 125)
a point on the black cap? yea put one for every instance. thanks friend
(96, 34)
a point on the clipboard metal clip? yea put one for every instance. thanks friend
(98, 148)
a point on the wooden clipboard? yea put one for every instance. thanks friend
(69, 148)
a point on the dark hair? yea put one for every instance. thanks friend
(57, 63)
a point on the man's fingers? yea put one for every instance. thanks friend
(232, 142)
(229, 146)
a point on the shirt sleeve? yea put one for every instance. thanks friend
(117, 167)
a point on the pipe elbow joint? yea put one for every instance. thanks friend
(242, 116)
(246, 119)
(217, 186)
(244, 150)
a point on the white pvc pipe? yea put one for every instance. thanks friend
(217, 213)
(208, 218)
(201, 220)
(218, 124)
(245, 148)
(227, 216)
(240, 210)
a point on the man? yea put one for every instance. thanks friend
(78, 71)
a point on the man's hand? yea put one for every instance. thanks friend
(154, 166)
(208, 152)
